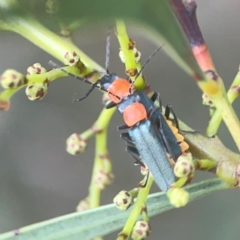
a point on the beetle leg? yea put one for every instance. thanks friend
(134, 153)
(154, 96)
(125, 136)
(123, 127)
(160, 101)
(146, 181)
(169, 110)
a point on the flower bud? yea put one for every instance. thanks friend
(123, 200)
(12, 79)
(71, 58)
(184, 166)
(103, 179)
(141, 230)
(36, 68)
(36, 91)
(178, 197)
(75, 144)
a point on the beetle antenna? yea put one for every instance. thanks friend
(145, 64)
(93, 85)
(108, 42)
(55, 65)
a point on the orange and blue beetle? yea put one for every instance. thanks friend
(152, 139)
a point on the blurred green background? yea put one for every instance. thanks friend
(39, 180)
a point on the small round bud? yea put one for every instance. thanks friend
(36, 91)
(12, 79)
(103, 179)
(123, 200)
(36, 68)
(184, 166)
(83, 205)
(52, 6)
(206, 101)
(137, 55)
(178, 197)
(75, 144)
(141, 230)
(71, 58)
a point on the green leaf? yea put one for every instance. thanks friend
(156, 16)
(105, 219)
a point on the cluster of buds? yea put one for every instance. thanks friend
(36, 90)
(11, 79)
(36, 87)
(75, 144)
(36, 68)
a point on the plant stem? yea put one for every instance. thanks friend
(25, 24)
(101, 150)
(137, 207)
(216, 117)
(127, 47)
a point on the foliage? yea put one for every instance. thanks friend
(183, 42)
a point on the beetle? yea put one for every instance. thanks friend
(152, 138)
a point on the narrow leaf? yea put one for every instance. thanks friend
(105, 219)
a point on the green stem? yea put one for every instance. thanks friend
(26, 25)
(127, 47)
(216, 117)
(51, 76)
(50, 42)
(230, 118)
(101, 150)
(137, 208)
